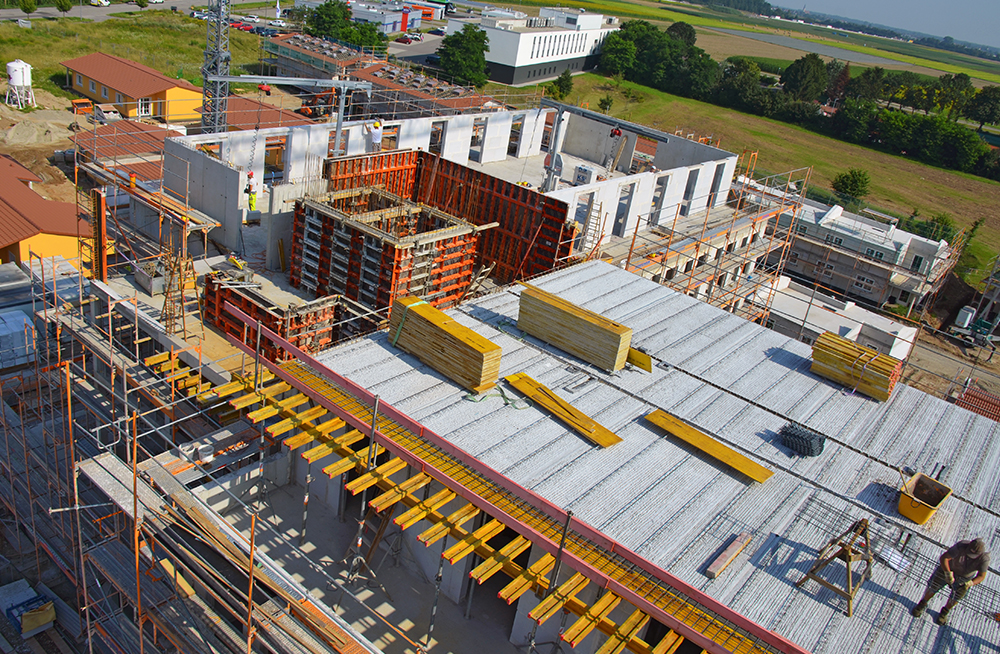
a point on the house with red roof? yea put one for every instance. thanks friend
(29, 222)
(137, 91)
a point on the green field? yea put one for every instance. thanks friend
(171, 43)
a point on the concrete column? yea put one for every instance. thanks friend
(457, 139)
(496, 137)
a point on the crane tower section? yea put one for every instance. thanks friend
(217, 59)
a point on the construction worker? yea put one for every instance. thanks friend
(251, 191)
(962, 566)
(375, 129)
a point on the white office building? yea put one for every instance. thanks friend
(526, 50)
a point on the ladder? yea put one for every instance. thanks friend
(359, 555)
(180, 277)
(592, 229)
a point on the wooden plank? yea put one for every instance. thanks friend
(709, 445)
(479, 537)
(495, 563)
(639, 359)
(423, 508)
(566, 412)
(436, 532)
(454, 350)
(598, 612)
(670, 644)
(351, 461)
(369, 479)
(157, 358)
(573, 329)
(297, 420)
(552, 604)
(859, 368)
(620, 639)
(399, 491)
(522, 583)
(722, 561)
(277, 407)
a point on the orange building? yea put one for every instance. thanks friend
(137, 91)
(29, 222)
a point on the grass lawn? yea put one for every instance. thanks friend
(898, 184)
(171, 43)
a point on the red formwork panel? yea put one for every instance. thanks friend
(530, 238)
(393, 171)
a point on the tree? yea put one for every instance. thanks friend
(64, 6)
(142, 4)
(805, 78)
(463, 55)
(328, 19)
(854, 183)
(27, 6)
(838, 85)
(617, 54)
(563, 85)
(984, 106)
(869, 85)
(683, 32)
(605, 103)
(955, 92)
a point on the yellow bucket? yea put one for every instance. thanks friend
(921, 496)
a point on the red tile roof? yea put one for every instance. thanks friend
(244, 113)
(24, 213)
(122, 138)
(126, 77)
(472, 101)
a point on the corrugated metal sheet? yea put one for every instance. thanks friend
(677, 507)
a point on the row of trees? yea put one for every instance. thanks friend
(670, 61)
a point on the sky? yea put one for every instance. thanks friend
(977, 21)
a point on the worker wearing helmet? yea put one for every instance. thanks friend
(962, 566)
(251, 191)
(375, 129)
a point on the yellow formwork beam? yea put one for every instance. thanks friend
(670, 644)
(274, 409)
(552, 604)
(158, 358)
(468, 544)
(310, 434)
(422, 509)
(580, 422)
(297, 420)
(535, 573)
(495, 563)
(598, 612)
(399, 491)
(709, 445)
(349, 462)
(369, 479)
(436, 532)
(252, 398)
(340, 443)
(232, 387)
(625, 632)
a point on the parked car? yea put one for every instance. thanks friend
(432, 60)
(278, 23)
(437, 31)
(405, 40)
(269, 33)
(100, 3)
(416, 36)
(156, 2)
(251, 19)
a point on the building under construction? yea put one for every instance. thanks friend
(288, 480)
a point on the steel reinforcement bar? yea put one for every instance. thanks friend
(681, 607)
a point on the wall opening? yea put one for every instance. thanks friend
(625, 192)
(659, 193)
(692, 182)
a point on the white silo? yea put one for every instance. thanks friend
(19, 92)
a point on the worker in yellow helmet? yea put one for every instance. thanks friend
(251, 191)
(375, 129)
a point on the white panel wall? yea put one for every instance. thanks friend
(457, 139)
(497, 137)
(415, 134)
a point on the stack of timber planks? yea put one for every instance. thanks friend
(853, 365)
(451, 348)
(583, 333)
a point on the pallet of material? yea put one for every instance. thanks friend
(573, 329)
(449, 347)
(859, 368)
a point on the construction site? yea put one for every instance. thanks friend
(502, 383)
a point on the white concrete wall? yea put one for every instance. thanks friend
(211, 186)
(245, 483)
(591, 140)
(496, 137)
